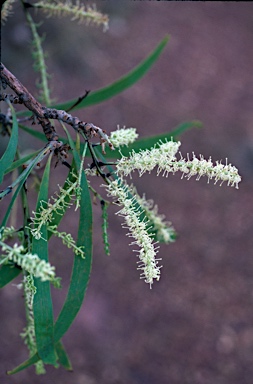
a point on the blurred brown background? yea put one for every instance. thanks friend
(196, 325)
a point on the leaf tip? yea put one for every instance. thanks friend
(197, 124)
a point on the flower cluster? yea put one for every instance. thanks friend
(7, 233)
(28, 334)
(30, 262)
(141, 215)
(6, 10)
(163, 229)
(83, 13)
(67, 240)
(138, 230)
(146, 160)
(123, 136)
(163, 157)
(61, 201)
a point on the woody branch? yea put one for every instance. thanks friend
(43, 114)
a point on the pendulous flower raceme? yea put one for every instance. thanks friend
(164, 158)
(137, 229)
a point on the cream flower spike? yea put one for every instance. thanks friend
(163, 157)
(147, 160)
(137, 230)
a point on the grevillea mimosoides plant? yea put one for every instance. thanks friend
(24, 239)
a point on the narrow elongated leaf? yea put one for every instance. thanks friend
(20, 181)
(73, 145)
(80, 272)
(144, 143)
(43, 308)
(81, 267)
(21, 161)
(121, 84)
(116, 87)
(148, 142)
(25, 364)
(9, 272)
(63, 357)
(10, 151)
(57, 216)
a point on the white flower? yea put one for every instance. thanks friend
(123, 136)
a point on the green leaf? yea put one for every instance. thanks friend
(121, 84)
(148, 142)
(116, 87)
(80, 271)
(42, 306)
(8, 273)
(25, 364)
(81, 267)
(21, 161)
(63, 357)
(10, 151)
(20, 181)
